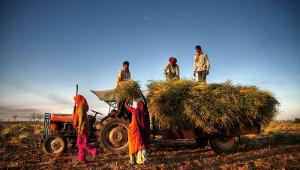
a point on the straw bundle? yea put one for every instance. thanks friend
(127, 90)
(166, 102)
(212, 107)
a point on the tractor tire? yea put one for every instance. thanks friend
(224, 144)
(113, 136)
(54, 144)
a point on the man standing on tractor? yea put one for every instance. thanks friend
(123, 74)
(172, 69)
(80, 122)
(201, 64)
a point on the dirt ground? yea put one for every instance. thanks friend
(278, 147)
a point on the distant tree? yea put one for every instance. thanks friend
(15, 117)
(33, 116)
(39, 116)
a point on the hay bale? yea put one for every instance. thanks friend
(212, 107)
(127, 90)
(166, 102)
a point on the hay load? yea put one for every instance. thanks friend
(213, 107)
(185, 103)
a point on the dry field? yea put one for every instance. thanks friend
(278, 147)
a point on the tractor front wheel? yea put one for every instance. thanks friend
(113, 135)
(54, 144)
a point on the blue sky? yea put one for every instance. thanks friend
(46, 47)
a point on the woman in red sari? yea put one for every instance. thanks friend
(79, 121)
(138, 133)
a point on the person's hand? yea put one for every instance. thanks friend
(194, 73)
(127, 101)
(80, 131)
(207, 72)
(77, 129)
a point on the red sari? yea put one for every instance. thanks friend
(82, 107)
(81, 103)
(139, 128)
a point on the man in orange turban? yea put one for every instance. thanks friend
(172, 69)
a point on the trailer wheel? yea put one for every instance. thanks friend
(54, 144)
(113, 136)
(224, 144)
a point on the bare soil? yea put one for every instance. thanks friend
(276, 148)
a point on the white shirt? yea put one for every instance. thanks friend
(201, 62)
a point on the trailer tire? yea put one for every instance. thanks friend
(54, 144)
(113, 136)
(224, 144)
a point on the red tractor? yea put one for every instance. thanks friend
(110, 132)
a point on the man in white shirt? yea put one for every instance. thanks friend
(123, 74)
(201, 64)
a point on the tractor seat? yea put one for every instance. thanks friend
(62, 117)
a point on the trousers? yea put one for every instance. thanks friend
(83, 146)
(201, 76)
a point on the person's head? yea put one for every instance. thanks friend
(80, 100)
(198, 48)
(126, 65)
(172, 60)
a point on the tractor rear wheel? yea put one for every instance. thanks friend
(224, 144)
(54, 144)
(113, 136)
